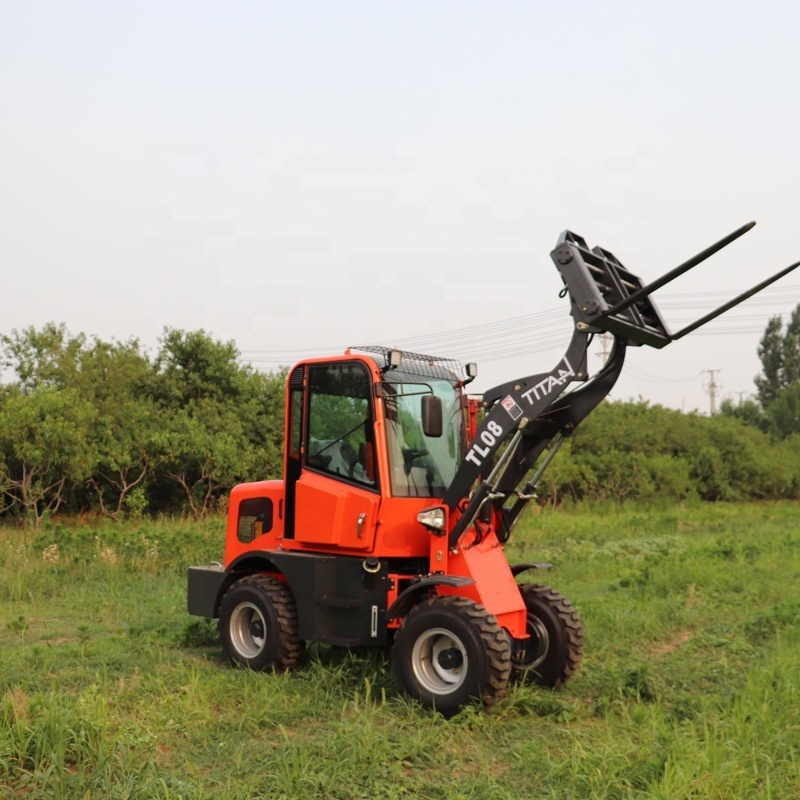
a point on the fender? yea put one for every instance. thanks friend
(208, 584)
(408, 597)
(517, 569)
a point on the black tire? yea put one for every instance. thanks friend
(450, 651)
(555, 647)
(258, 624)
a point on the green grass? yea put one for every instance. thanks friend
(690, 687)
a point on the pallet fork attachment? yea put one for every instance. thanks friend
(606, 297)
(531, 414)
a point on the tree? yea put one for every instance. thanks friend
(749, 411)
(131, 445)
(783, 414)
(45, 358)
(226, 419)
(210, 452)
(626, 451)
(779, 352)
(191, 365)
(129, 436)
(188, 423)
(46, 443)
(6, 496)
(117, 380)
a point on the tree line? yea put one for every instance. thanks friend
(104, 427)
(750, 450)
(635, 451)
(87, 424)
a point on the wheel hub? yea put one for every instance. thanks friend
(535, 648)
(439, 661)
(247, 630)
(451, 658)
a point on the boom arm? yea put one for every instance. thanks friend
(532, 413)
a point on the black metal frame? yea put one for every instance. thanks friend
(606, 297)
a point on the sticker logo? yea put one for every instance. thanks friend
(514, 411)
(551, 382)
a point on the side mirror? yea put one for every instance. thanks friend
(471, 370)
(432, 415)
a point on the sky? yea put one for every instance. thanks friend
(301, 177)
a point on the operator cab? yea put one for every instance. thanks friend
(364, 427)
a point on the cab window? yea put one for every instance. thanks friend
(420, 465)
(340, 422)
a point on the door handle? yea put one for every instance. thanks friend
(360, 525)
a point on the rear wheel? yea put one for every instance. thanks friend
(258, 624)
(554, 649)
(450, 651)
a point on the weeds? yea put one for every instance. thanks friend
(18, 626)
(689, 686)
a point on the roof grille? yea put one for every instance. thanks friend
(417, 363)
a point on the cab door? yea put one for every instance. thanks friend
(333, 514)
(336, 496)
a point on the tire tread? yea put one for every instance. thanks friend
(572, 627)
(493, 637)
(290, 646)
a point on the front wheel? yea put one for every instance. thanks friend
(258, 624)
(450, 651)
(554, 647)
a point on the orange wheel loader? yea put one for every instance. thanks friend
(390, 520)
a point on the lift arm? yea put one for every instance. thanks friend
(531, 413)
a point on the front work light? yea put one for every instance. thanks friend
(434, 519)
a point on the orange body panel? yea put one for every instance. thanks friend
(269, 539)
(494, 588)
(328, 512)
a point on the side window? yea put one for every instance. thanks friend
(255, 518)
(297, 422)
(340, 422)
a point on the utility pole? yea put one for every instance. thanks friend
(712, 387)
(606, 343)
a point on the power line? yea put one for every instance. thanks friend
(638, 372)
(533, 333)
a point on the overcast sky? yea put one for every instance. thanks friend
(299, 177)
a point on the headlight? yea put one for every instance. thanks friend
(435, 519)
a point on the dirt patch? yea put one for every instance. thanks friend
(670, 647)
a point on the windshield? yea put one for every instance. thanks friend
(422, 466)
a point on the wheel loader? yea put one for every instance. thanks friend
(399, 493)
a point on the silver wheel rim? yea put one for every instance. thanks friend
(248, 630)
(439, 661)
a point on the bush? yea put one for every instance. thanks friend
(632, 450)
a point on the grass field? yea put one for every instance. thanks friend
(690, 687)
